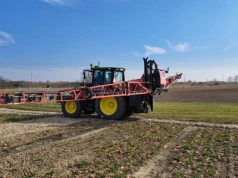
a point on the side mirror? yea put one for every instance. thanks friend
(167, 71)
(84, 77)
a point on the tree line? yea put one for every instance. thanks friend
(9, 84)
(232, 79)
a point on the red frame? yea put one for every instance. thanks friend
(130, 88)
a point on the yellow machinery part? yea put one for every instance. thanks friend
(108, 105)
(71, 107)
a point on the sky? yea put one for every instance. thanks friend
(56, 39)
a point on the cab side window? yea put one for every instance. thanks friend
(118, 76)
(98, 77)
(108, 77)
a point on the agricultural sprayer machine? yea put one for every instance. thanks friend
(108, 94)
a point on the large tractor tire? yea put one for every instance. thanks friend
(113, 108)
(128, 113)
(71, 109)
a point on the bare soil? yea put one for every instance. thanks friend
(183, 93)
(137, 147)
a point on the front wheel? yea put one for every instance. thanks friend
(71, 109)
(113, 107)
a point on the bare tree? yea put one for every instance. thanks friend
(1, 82)
(235, 78)
(229, 79)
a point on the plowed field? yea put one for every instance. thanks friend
(200, 94)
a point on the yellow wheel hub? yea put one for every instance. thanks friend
(70, 107)
(108, 105)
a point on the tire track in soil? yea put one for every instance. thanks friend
(155, 167)
(139, 118)
(191, 123)
(35, 125)
(233, 172)
(27, 112)
(58, 135)
(40, 160)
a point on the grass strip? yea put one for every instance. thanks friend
(6, 118)
(195, 111)
(184, 111)
(49, 107)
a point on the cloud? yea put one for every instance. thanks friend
(181, 47)
(52, 2)
(135, 53)
(61, 2)
(6, 38)
(201, 47)
(169, 44)
(225, 49)
(153, 50)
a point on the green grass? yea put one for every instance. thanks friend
(189, 111)
(50, 107)
(195, 111)
(16, 117)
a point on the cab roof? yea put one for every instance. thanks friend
(108, 68)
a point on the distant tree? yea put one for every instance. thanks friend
(229, 79)
(214, 80)
(235, 78)
(1, 82)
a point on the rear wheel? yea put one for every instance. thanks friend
(71, 109)
(129, 113)
(113, 107)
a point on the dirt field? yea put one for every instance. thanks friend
(200, 93)
(63, 147)
(136, 147)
